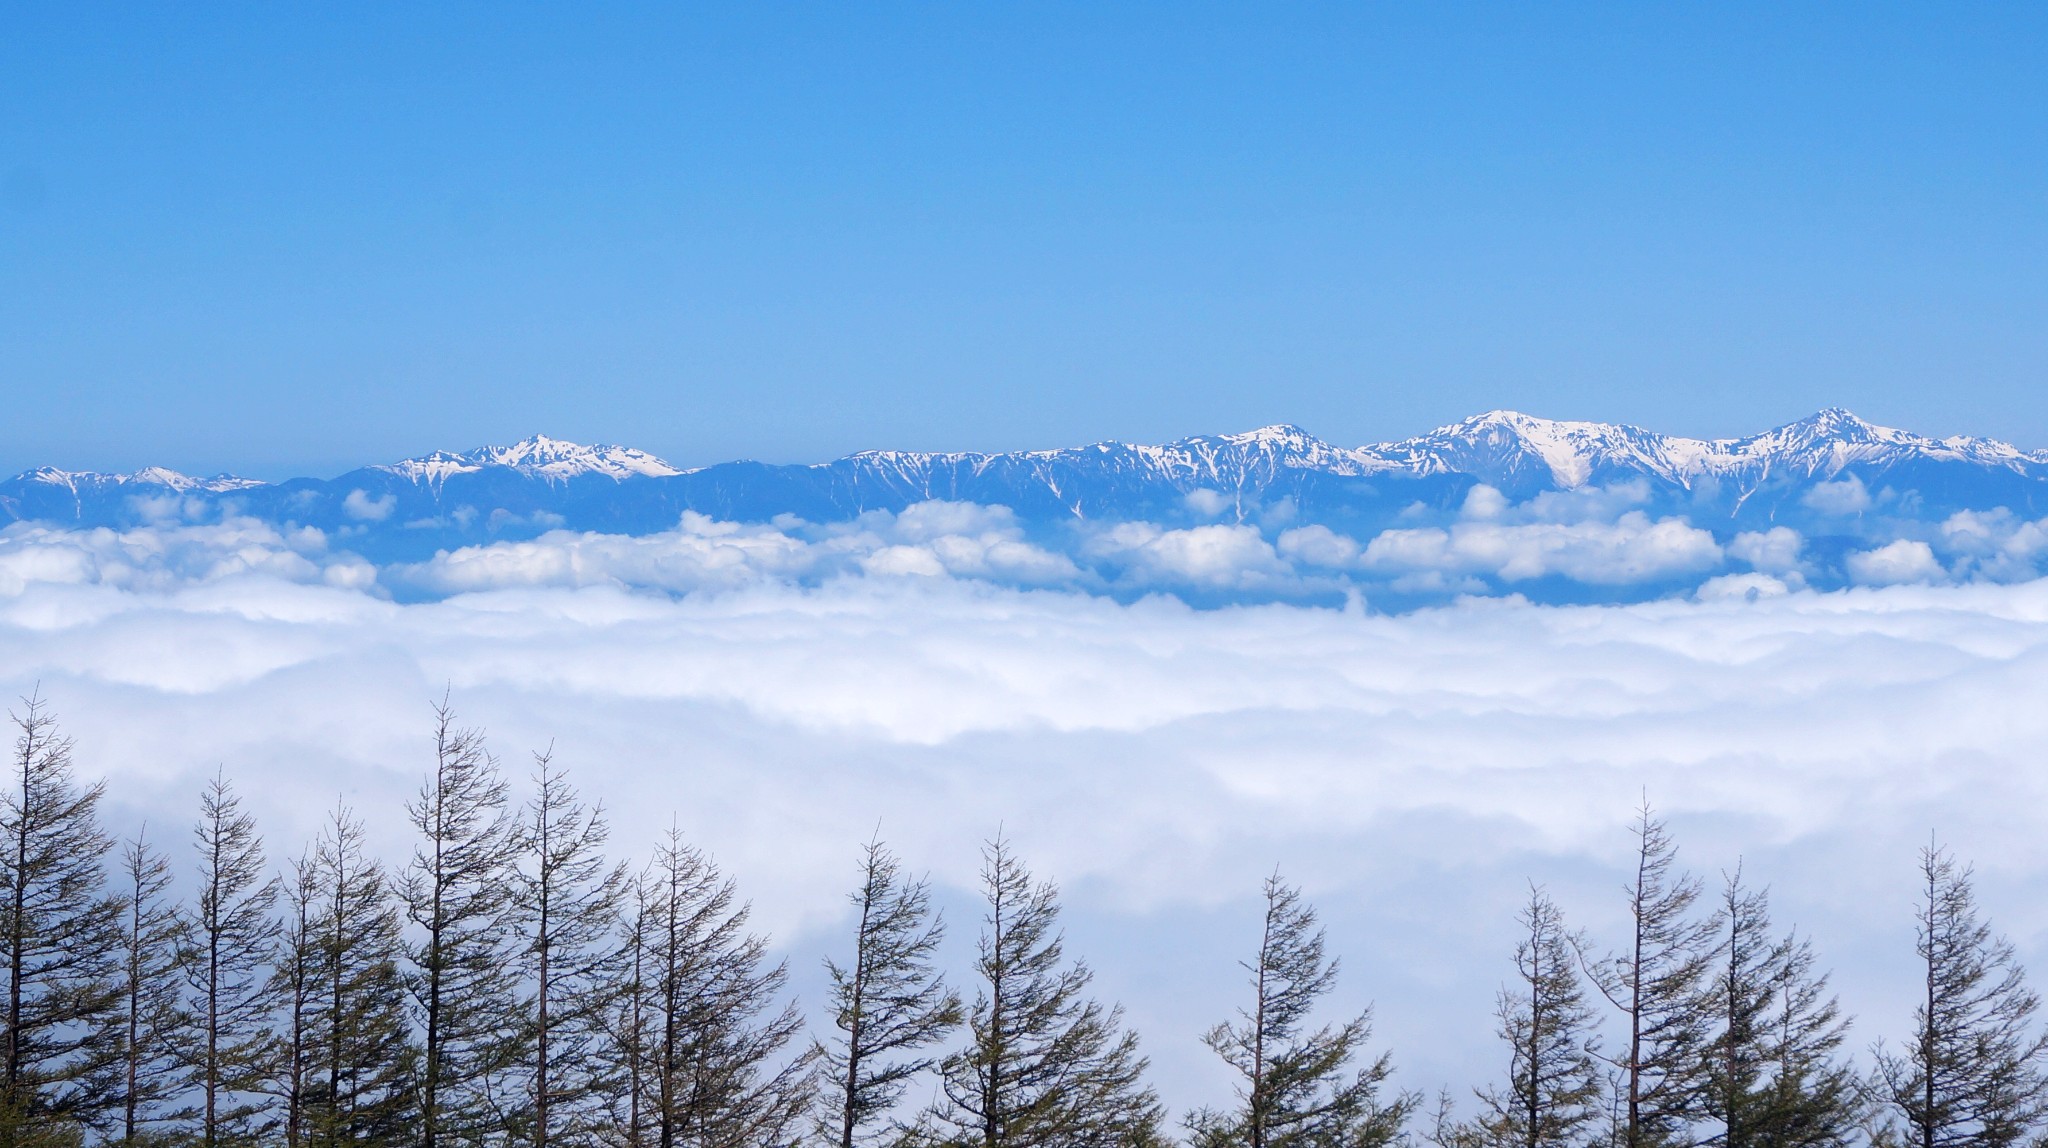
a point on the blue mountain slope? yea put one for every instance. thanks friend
(1829, 475)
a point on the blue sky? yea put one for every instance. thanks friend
(289, 240)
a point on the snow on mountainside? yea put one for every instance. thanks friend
(1826, 501)
(1502, 444)
(1504, 448)
(538, 457)
(448, 498)
(1230, 461)
(1498, 446)
(74, 481)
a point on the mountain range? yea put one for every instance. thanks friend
(1825, 475)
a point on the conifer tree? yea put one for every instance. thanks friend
(1045, 1065)
(889, 1004)
(60, 942)
(365, 1061)
(1553, 1090)
(457, 895)
(230, 933)
(624, 1056)
(295, 979)
(709, 1056)
(154, 1025)
(1298, 1086)
(1774, 1075)
(1973, 1075)
(1658, 985)
(567, 908)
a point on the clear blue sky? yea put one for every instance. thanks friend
(288, 238)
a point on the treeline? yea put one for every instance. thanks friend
(512, 984)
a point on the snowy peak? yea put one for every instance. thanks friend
(1507, 446)
(1520, 454)
(75, 480)
(537, 456)
(1510, 446)
(555, 459)
(1826, 443)
(1200, 459)
(1264, 451)
(1280, 438)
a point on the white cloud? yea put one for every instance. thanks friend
(1412, 772)
(1318, 546)
(1208, 503)
(1221, 557)
(1748, 587)
(700, 554)
(361, 507)
(1547, 546)
(1586, 503)
(1996, 544)
(932, 539)
(1844, 497)
(1483, 502)
(1631, 549)
(170, 555)
(1773, 551)
(1895, 563)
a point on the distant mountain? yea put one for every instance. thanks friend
(1273, 475)
(547, 459)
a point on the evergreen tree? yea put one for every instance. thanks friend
(1973, 1075)
(1774, 1076)
(888, 1005)
(708, 1056)
(1658, 985)
(366, 1063)
(231, 934)
(60, 940)
(567, 908)
(154, 1025)
(1298, 1087)
(457, 894)
(1045, 1065)
(1553, 1091)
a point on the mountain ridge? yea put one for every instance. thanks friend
(445, 498)
(1565, 445)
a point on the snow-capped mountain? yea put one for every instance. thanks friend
(1508, 448)
(1271, 475)
(537, 457)
(79, 483)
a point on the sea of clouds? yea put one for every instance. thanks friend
(783, 692)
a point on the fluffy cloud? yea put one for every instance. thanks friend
(1895, 563)
(1208, 503)
(1997, 544)
(1748, 587)
(361, 507)
(935, 539)
(1631, 549)
(1413, 772)
(1773, 551)
(1210, 557)
(172, 555)
(1318, 546)
(1558, 547)
(1844, 497)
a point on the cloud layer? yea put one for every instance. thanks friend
(1413, 771)
(1594, 544)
